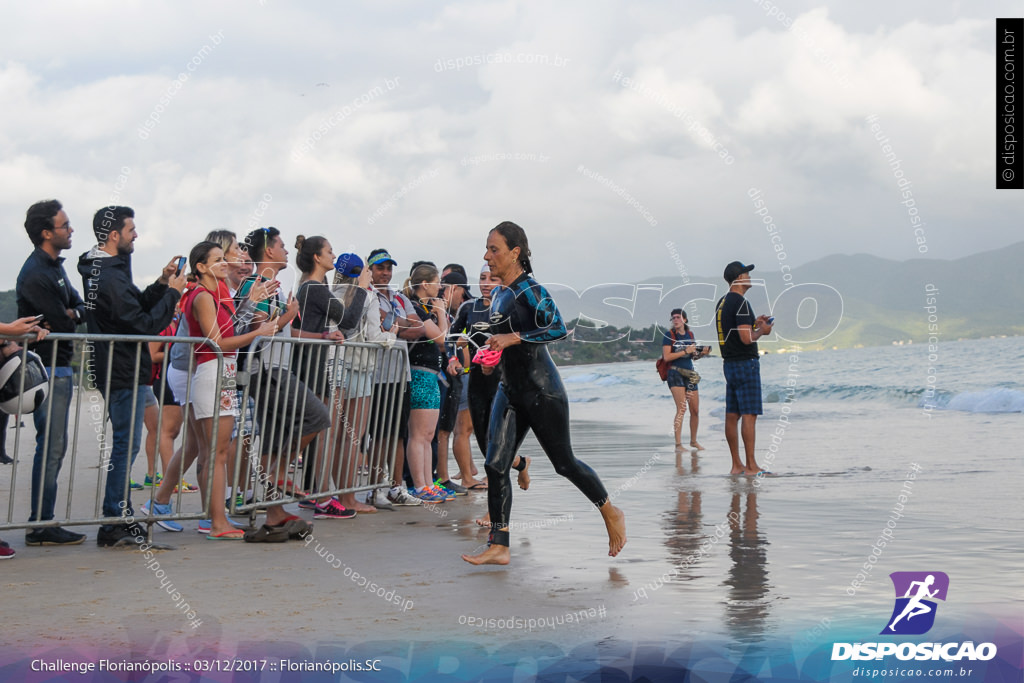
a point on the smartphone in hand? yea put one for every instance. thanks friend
(181, 265)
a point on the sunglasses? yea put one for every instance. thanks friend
(389, 318)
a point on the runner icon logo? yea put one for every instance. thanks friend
(916, 592)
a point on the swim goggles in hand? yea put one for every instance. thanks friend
(488, 357)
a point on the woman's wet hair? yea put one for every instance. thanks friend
(515, 236)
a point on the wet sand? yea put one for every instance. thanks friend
(749, 566)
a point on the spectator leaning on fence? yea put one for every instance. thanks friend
(44, 289)
(114, 305)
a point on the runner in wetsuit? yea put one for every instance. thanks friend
(530, 396)
(473, 320)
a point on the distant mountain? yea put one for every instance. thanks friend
(837, 301)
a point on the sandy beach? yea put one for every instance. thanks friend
(722, 571)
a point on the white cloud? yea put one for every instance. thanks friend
(771, 96)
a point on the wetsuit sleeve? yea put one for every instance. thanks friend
(461, 322)
(550, 326)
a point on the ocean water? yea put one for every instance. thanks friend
(723, 557)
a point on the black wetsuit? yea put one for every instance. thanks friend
(481, 387)
(530, 396)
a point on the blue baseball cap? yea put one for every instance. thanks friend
(349, 265)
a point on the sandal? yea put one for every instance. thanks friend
(266, 534)
(296, 527)
(480, 486)
(232, 535)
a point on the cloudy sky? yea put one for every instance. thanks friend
(600, 127)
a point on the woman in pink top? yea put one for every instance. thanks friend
(210, 315)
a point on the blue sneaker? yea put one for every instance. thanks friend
(159, 509)
(427, 496)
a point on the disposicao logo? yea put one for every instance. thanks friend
(914, 614)
(916, 592)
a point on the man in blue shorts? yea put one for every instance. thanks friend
(738, 332)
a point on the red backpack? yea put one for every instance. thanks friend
(662, 364)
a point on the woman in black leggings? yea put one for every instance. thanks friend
(523, 320)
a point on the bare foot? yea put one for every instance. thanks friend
(485, 520)
(737, 470)
(615, 522)
(350, 502)
(495, 554)
(524, 476)
(475, 471)
(695, 445)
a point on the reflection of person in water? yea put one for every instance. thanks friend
(685, 532)
(747, 608)
(915, 606)
(530, 396)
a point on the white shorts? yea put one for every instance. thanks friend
(177, 380)
(205, 394)
(357, 383)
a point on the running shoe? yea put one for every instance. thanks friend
(444, 488)
(134, 485)
(332, 509)
(159, 509)
(399, 496)
(239, 502)
(307, 505)
(185, 487)
(53, 535)
(153, 481)
(442, 492)
(427, 496)
(377, 498)
(6, 552)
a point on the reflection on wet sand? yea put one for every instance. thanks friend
(747, 605)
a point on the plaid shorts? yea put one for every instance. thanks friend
(246, 419)
(743, 386)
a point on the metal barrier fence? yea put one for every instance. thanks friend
(83, 406)
(349, 382)
(324, 409)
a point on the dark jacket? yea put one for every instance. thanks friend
(114, 305)
(44, 287)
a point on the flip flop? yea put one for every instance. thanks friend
(233, 535)
(480, 486)
(267, 534)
